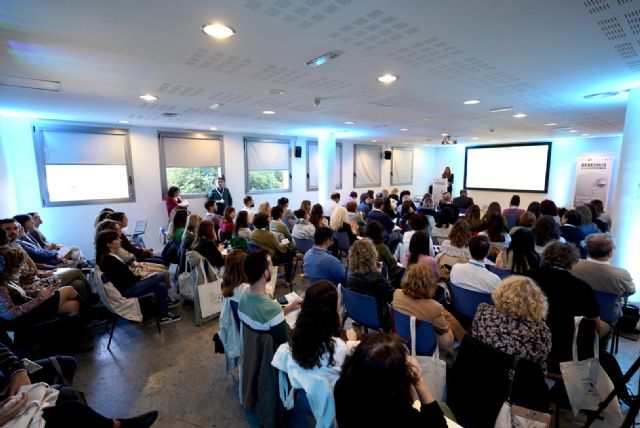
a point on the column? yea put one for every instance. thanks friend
(326, 166)
(626, 203)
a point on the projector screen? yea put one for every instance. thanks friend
(508, 167)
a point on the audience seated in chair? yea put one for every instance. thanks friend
(376, 214)
(463, 201)
(340, 222)
(455, 249)
(205, 244)
(513, 213)
(419, 253)
(277, 224)
(442, 228)
(314, 355)
(279, 254)
(521, 255)
(319, 263)
(142, 254)
(375, 232)
(474, 275)
(316, 217)
(416, 299)
(129, 284)
(515, 325)
(331, 204)
(303, 229)
(472, 216)
(227, 224)
(264, 330)
(600, 274)
(546, 231)
(376, 384)
(364, 277)
(355, 217)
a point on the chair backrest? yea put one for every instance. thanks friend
(426, 343)
(502, 273)
(234, 311)
(362, 309)
(607, 303)
(163, 235)
(251, 246)
(343, 241)
(303, 245)
(141, 227)
(465, 302)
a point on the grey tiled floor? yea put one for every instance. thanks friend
(178, 374)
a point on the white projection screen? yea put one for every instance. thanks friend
(522, 167)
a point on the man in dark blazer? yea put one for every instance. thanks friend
(463, 201)
(377, 214)
(221, 195)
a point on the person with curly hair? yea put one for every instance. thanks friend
(316, 350)
(365, 277)
(375, 388)
(515, 325)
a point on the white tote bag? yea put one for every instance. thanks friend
(587, 383)
(434, 370)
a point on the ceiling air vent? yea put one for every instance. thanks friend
(27, 83)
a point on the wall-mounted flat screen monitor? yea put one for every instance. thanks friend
(518, 167)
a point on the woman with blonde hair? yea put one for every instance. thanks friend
(191, 230)
(516, 324)
(177, 223)
(265, 208)
(339, 222)
(365, 277)
(419, 285)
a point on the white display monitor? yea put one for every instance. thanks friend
(518, 167)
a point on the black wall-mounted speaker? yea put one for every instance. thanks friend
(387, 154)
(298, 151)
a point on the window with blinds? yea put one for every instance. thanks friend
(366, 166)
(267, 165)
(312, 165)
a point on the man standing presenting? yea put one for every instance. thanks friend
(599, 274)
(221, 195)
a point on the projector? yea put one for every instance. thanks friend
(448, 141)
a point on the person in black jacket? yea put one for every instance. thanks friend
(365, 278)
(128, 284)
(374, 389)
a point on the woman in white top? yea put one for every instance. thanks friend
(314, 355)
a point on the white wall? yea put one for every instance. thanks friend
(74, 224)
(562, 170)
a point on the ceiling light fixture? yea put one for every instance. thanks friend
(474, 138)
(601, 95)
(318, 61)
(499, 109)
(275, 92)
(124, 122)
(585, 135)
(550, 124)
(169, 114)
(148, 97)
(268, 112)
(519, 115)
(218, 31)
(573, 130)
(215, 106)
(443, 135)
(349, 122)
(387, 78)
(404, 129)
(471, 102)
(213, 128)
(374, 141)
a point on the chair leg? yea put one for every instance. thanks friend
(113, 327)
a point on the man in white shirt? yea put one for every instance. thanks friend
(248, 205)
(331, 204)
(600, 275)
(474, 275)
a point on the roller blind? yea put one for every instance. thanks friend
(267, 155)
(366, 166)
(402, 166)
(191, 152)
(88, 148)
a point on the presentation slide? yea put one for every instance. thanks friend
(509, 167)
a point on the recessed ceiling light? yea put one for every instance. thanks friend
(218, 31)
(148, 97)
(123, 122)
(387, 78)
(349, 122)
(519, 115)
(471, 102)
(444, 135)
(586, 135)
(213, 128)
(374, 141)
(550, 124)
(474, 138)
(498, 109)
(601, 95)
(573, 130)
(404, 129)
(215, 106)
(268, 112)
(275, 92)
(322, 59)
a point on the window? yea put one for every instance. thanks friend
(82, 164)
(312, 165)
(268, 165)
(191, 161)
(366, 166)
(401, 165)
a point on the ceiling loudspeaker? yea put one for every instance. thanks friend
(298, 151)
(387, 154)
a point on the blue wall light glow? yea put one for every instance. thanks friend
(315, 132)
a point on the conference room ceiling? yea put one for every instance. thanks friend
(539, 57)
